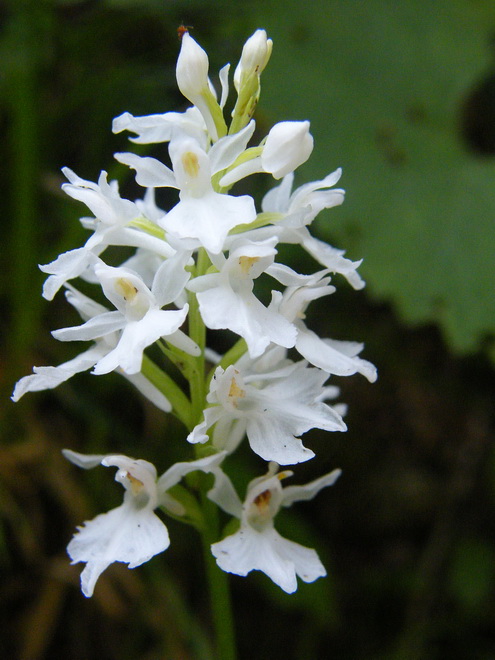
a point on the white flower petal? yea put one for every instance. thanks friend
(170, 279)
(308, 193)
(276, 200)
(123, 534)
(222, 492)
(102, 199)
(192, 68)
(184, 342)
(136, 336)
(87, 307)
(272, 438)
(209, 218)
(329, 356)
(224, 83)
(156, 128)
(85, 461)
(288, 145)
(224, 152)
(228, 434)
(333, 259)
(211, 416)
(96, 327)
(270, 553)
(132, 237)
(223, 308)
(47, 378)
(67, 266)
(294, 398)
(150, 172)
(287, 276)
(291, 494)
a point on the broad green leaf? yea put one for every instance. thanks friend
(385, 86)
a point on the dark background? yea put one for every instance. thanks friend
(408, 532)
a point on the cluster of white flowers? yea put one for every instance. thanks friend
(195, 266)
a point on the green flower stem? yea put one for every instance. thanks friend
(149, 227)
(216, 112)
(197, 382)
(180, 403)
(221, 605)
(246, 103)
(197, 332)
(185, 363)
(221, 608)
(262, 219)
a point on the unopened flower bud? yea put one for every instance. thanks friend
(192, 69)
(254, 58)
(192, 80)
(288, 145)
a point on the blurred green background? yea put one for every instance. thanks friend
(402, 96)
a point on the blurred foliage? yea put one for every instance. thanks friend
(408, 533)
(402, 96)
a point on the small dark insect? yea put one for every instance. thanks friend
(182, 29)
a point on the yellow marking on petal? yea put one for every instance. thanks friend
(235, 392)
(284, 474)
(262, 501)
(246, 263)
(190, 163)
(126, 289)
(136, 485)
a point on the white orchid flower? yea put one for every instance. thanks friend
(333, 356)
(287, 145)
(193, 82)
(154, 129)
(299, 209)
(254, 58)
(132, 533)
(48, 378)
(202, 213)
(226, 299)
(273, 411)
(139, 315)
(110, 226)
(258, 546)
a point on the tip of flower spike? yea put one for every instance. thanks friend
(182, 29)
(255, 55)
(192, 68)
